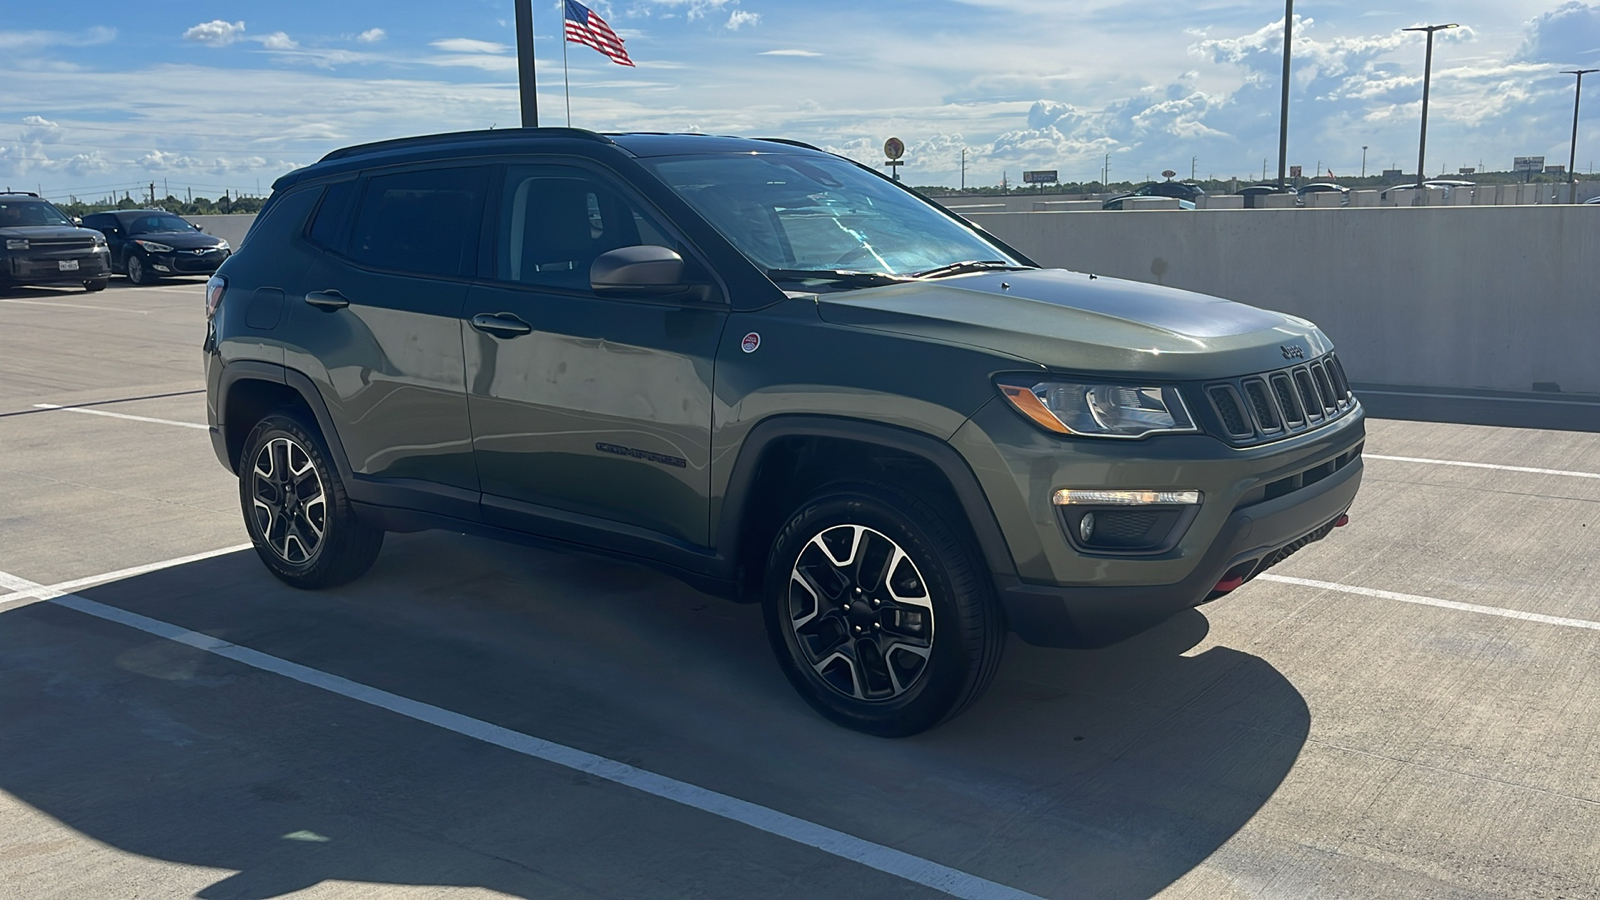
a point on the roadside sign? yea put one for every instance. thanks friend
(894, 148)
(1528, 164)
(1294, 171)
(1041, 176)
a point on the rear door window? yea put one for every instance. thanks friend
(332, 214)
(423, 222)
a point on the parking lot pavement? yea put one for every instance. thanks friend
(1404, 710)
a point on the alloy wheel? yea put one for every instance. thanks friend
(288, 500)
(861, 613)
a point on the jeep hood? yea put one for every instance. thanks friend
(48, 232)
(1083, 323)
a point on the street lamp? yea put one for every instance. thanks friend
(1283, 115)
(1572, 161)
(1427, 73)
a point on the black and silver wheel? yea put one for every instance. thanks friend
(137, 273)
(295, 508)
(881, 615)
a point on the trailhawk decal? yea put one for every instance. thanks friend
(636, 453)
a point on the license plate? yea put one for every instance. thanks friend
(69, 265)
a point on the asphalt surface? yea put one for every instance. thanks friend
(1407, 709)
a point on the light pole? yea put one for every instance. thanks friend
(1363, 160)
(1572, 161)
(526, 83)
(1283, 113)
(1427, 74)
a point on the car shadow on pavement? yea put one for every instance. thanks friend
(1107, 773)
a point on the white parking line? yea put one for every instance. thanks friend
(138, 312)
(1476, 465)
(112, 415)
(915, 869)
(28, 590)
(1433, 601)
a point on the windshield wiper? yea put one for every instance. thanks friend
(970, 265)
(839, 276)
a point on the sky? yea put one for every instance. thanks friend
(224, 95)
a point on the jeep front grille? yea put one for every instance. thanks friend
(1255, 409)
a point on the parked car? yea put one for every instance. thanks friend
(1592, 201)
(1324, 187)
(40, 244)
(1255, 192)
(1186, 194)
(1449, 186)
(771, 372)
(150, 244)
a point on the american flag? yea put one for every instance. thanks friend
(587, 28)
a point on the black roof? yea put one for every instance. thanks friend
(512, 140)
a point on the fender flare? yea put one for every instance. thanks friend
(974, 503)
(273, 373)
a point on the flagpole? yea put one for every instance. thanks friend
(564, 80)
(527, 86)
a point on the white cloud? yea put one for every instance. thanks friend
(739, 18)
(371, 36)
(788, 53)
(278, 41)
(693, 9)
(469, 45)
(39, 40)
(215, 33)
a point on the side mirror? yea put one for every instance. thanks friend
(198, 227)
(641, 269)
(78, 221)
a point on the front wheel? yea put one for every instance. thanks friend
(880, 612)
(295, 508)
(137, 273)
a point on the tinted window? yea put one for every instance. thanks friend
(30, 212)
(424, 222)
(157, 223)
(555, 220)
(332, 214)
(100, 221)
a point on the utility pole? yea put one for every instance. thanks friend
(526, 82)
(1283, 114)
(1363, 160)
(1427, 74)
(1572, 160)
(152, 193)
(1193, 160)
(963, 168)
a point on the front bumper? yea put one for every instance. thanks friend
(45, 267)
(1257, 501)
(186, 262)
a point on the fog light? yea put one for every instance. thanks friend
(1086, 527)
(1096, 497)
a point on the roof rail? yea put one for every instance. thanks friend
(423, 140)
(792, 143)
(19, 193)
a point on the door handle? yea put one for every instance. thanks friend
(327, 300)
(503, 325)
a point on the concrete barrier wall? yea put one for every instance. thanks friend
(230, 228)
(1498, 298)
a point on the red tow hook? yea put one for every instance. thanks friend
(1228, 584)
(1342, 521)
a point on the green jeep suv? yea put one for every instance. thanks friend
(774, 374)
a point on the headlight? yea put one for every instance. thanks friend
(1100, 410)
(222, 245)
(153, 247)
(16, 243)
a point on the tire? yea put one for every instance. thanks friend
(137, 273)
(890, 656)
(296, 510)
(96, 284)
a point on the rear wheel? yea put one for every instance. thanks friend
(295, 508)
(881, 614)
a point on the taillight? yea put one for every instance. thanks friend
(215, 288)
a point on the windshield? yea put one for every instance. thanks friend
(30, 212)
(799, 216)
(158, 223)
